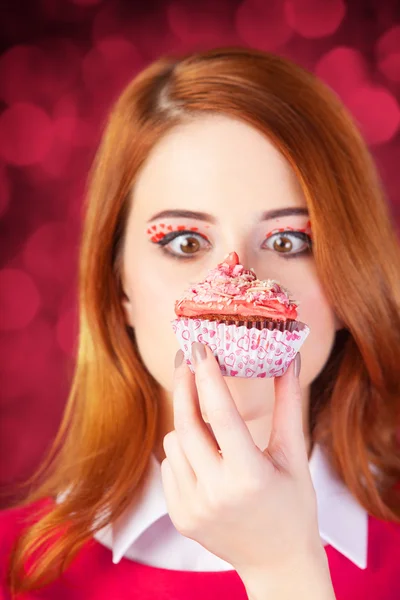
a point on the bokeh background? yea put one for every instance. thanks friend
(62, 64)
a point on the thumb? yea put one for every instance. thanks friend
(287, 445)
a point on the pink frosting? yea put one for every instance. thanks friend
(230, 289)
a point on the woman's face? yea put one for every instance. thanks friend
(210, 187)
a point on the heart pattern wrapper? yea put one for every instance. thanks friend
(242, 352)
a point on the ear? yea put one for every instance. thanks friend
(339, 323)
(127, 307)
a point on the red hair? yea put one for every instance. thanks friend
(109, 427)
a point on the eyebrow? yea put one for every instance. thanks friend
(185, 214)
(201, 216)
(284, 212)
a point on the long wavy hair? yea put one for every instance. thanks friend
(102, 449)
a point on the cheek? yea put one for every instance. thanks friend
(315, 310)
(152, 312)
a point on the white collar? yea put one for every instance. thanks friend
(343, 522)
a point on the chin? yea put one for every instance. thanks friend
(254, 398)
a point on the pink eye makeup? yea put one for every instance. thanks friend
(298, 241)
(179, 241)
(158, 232)
(306, 230)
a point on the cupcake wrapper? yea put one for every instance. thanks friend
(243, 351)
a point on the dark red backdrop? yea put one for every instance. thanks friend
(62, 63)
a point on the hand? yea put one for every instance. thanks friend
(254, 509)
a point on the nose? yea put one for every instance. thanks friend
(241, 250)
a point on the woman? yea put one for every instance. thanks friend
(226, 150)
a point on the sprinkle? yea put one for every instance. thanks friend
(222, 294)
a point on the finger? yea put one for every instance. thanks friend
(287, 443)
(184, 475)
(196, 441)
(171, 491)
(231, 432)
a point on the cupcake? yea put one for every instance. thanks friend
(250, 325)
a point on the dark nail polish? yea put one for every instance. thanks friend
(198, 352)
(178, 358)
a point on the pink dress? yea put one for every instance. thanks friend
(93, 575)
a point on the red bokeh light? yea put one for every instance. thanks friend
(263, 24)
(50, 251)
(25, 357)
(26, 134)
(41, 73)
(388, 53)
(377, 112)
(343, 69)
(107, 69)
(315, 18)
(19, 299)
(20, 68)
(206, 22)
(4, 190)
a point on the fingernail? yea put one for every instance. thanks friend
(198, 352)
(297, 365)
(178, 358)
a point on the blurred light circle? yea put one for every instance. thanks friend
(39, 74)
(26, 134)
(109, 66)
(50, 251)
(19, 299)
(388, 53)
(4, 190)
(67, 331)
(55, 164)
(70, 128)
(206, 21)
(343, 69)
(64, 67)
(390, 67)
(66, 106)
(263, 24)
(377, 112)
(19, 68)
(65, 129)
(107, 23)
(315, 18)
(25, 358)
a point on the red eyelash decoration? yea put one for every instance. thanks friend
(306, 230)
(158, 232)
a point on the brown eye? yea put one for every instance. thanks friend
(184, 244)
(283, 244)
(292, 244)
(190, 245)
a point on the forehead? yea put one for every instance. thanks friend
(212, 163)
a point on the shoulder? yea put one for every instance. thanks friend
(384, 540)
(383, 528)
